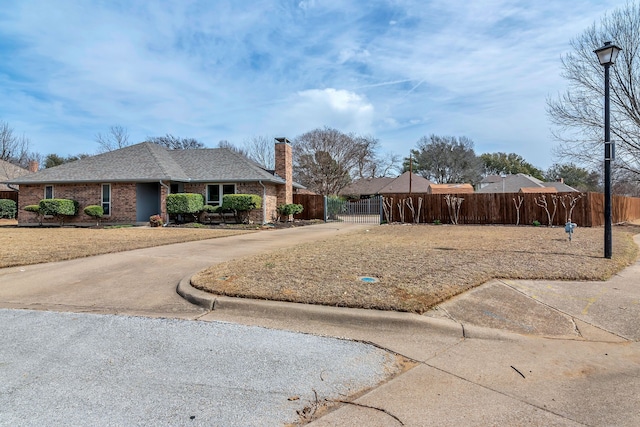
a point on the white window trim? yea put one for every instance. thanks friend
(102, 202)
(220, 186)
(52, 192)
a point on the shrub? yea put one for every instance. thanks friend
(185, 204)
(241, 204)
(156, 221)
(94, 211)
(210, 208)
(288, 210)
(59, 208)
(36, 210)
(8, 208)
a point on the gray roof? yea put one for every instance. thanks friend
(366, 186)
(148, 162)
(387, 185)
(401, 184)
(8, 172)
(513, 184)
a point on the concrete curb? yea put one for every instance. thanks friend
(320, 313)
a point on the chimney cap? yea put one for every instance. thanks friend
(283, 140)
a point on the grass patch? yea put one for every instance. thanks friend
(418, 266)
(22, 246)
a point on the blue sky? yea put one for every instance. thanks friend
(231, 70)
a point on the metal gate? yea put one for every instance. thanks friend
(364, 211)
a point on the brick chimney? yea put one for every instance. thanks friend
(33, 166)
(284, 169)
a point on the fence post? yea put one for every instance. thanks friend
(325, 209)
(380, 209)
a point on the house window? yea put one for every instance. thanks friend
(48, 191)
(215, 192)
(106, 199)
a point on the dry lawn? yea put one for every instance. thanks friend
(22, 246)
(418, 266)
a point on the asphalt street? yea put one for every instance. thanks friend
(71, 369)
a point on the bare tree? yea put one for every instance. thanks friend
(260, 149)
(453, 203)
(13, 148)
(518, 205)
(323, 160)
(116, 138)
(578, 113)
(447, 159)
(230, 146)
(176, 143)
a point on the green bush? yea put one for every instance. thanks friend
(35, 209)
(94, 211)
(59, 208)
(241, 204)
(185, 204)
(210, 208)
(289, 209)
(8, 208)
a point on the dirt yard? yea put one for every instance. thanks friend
(414, 267)
(22, 246)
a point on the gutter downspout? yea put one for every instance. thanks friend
(13, 188)
(166, 222)
(264, 203)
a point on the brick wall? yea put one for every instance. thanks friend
(270, 202)
(123, 202)
(284, 169)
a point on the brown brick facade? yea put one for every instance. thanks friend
(284, 169)
(123, 202)
(269, 202)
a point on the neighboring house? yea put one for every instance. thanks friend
(368, 187)
(515, 183)
(132, 183)
(450, 189)
(9, 171)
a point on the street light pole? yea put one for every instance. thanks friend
(607, 55)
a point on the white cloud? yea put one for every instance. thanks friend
(344, 110)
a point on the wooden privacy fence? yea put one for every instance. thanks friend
(313, 205)
(493, 208)
(12, 195)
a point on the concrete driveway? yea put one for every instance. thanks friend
(143, 281)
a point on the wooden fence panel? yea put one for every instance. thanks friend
(495, 208)
(11, 195)
(313, 206)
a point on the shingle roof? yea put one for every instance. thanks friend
(513, 184)
(148, 162)
(387, 185)
(401, 184)
(366, 186)
(450, 188)
(8, 172)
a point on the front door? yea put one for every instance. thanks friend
(147, 200)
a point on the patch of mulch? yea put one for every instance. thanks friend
(414, 267)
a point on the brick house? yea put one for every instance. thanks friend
(132, 183)
(9, 171)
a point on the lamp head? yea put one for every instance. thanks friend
(607, 54)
